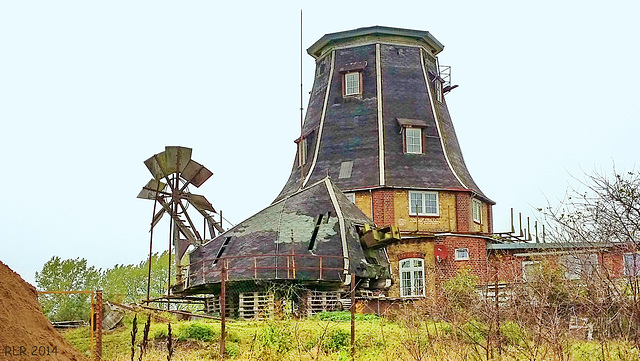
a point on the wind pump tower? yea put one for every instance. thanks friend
(173, 173)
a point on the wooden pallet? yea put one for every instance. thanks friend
(255, 305)
(320, 301)
(212, 305)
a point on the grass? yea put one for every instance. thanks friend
(327, 337)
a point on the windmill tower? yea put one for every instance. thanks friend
(378, 125)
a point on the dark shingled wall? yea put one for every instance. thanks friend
(350, 130)
(283, 229)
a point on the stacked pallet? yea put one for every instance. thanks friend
(321, 301)
(212, 305)
(255, 305)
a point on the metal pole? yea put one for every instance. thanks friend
(353, 316)
(171, 230)
(155, 203)
(223, 309)
(98, 325)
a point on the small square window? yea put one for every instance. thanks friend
(462, 254)
(477, 211)
(352, 83)
(413, 140)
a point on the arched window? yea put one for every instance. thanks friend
(412, 277)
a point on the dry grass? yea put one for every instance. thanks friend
(320, 340)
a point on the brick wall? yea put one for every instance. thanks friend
(463, 211)
(363, 201)
(477, 262)
(383, 207)
(507, 266)
(411, 248)
(445, 222)
(391, 206)
(485, 225)
(489, 218)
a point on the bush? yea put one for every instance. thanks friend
(344, 316)
(473, 331)
(196, 331)
(513, 333)
(587, 351)
(160, 333)
(336, 340)
(232, 349)
(277, 337)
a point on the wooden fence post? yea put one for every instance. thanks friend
(98, 325)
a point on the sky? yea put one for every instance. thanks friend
(548, 91)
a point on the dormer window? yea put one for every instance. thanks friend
(352, 78)
(352, 83)
(413, 135)
(413, 140)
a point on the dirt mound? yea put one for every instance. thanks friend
(25, 332)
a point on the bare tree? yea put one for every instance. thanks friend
(603, 212)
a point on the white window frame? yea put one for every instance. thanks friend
(421, 209)
(461, 258)
(352, 83)
(413, 141)
(635, 258)
(477, 210)
(411, 274)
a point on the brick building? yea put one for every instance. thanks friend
(378, 125)
(378, 134)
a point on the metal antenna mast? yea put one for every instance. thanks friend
(300, 143)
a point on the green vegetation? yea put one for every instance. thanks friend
(122, 283)
(66, 275)
(326, 339)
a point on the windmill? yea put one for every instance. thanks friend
(173, 173)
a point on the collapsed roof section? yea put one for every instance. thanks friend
(311, 236)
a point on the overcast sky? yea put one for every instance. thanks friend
(89, 90)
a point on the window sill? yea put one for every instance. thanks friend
(424, 215)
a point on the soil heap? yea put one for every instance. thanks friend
(25, 333)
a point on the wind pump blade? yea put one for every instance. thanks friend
(195, 173)
(204, 207)
(172, 160)
(151, 189)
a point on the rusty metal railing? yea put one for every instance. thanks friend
(280, 267)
